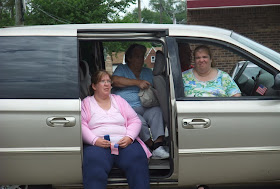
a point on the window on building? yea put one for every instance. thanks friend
(153, 59)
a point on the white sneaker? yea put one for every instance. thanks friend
(160, 153)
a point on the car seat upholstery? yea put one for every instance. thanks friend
(159, 82)
(85, 79)
(246, 85)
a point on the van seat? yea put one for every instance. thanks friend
(159, 82)
(85, 79)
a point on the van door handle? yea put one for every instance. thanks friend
(61, 121)
(196, 123)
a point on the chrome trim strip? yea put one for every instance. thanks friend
(40, 150)
(114, 34)
(229, 150)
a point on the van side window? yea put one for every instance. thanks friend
(237, 72)
(38, 67)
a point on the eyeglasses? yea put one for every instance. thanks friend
(203, 57)
(106, 81)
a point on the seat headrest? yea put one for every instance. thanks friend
(160, 63)
(266, 79)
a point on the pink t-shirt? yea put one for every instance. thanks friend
(107, 122)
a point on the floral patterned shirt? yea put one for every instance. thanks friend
(222, 86)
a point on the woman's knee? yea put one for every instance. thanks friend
(153, 113)
(131, 154)
(94, 156)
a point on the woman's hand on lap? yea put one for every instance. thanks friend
(103, 143)
(125, 141)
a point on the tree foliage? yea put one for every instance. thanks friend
(170, 9)
(39, 12)
(161, 11)
(181, 12)
(149, 16)
(131, 17)
(74, 11)
(7, 13)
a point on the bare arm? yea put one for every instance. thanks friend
(236, 95)
(119, 81)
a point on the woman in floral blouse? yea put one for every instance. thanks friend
(204, 80)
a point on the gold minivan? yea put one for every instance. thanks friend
(44, 73)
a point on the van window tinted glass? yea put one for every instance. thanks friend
(38, 67)
(247, 81)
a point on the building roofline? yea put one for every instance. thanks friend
(214, 4)
(225, 7)
(149, 52)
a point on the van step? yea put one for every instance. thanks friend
(158, 168)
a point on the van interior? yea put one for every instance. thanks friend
(107, 55)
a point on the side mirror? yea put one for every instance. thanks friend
(277, 82)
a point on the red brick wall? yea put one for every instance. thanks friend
(261, 24)
(224, 59)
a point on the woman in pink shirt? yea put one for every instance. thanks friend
(110, 129)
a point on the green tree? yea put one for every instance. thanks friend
(162, 11)
(148, 16)
(131, 17)
(74, 11)
(7, 13)
(181, 12)
(169, 9)
(39, 12)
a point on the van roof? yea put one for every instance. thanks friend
(73, 29)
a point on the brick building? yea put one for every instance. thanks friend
(256, 19)
(150, 57)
